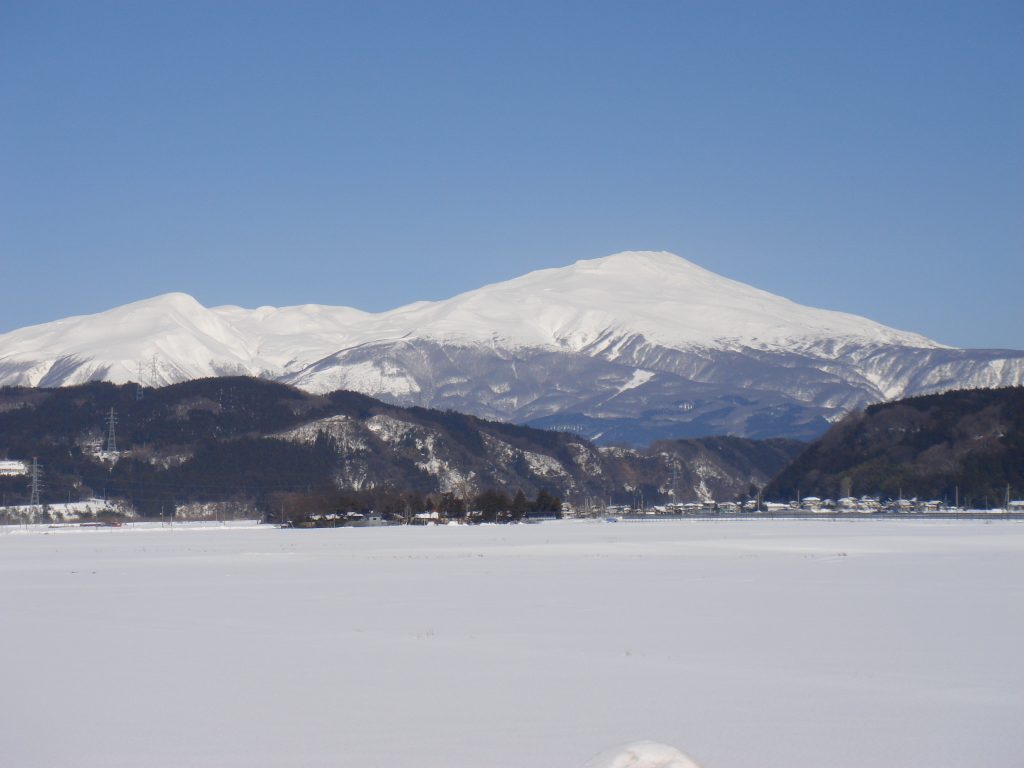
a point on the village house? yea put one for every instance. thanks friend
(13, 468)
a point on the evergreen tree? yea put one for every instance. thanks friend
(545, 503)
(519, 507)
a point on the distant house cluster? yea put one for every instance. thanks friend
(13, 468)
(873, 505)
(866, 505)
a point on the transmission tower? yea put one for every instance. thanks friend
(138, 389)
(152, 372)
(111, 439)
(35, 483)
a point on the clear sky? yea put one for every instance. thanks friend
(861, 156)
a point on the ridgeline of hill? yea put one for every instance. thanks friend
(967, 443)
(257, 442)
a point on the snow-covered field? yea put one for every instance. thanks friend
(747, 644)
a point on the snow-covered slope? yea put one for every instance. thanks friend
(631, 346)
(592, 304)
(187, 339)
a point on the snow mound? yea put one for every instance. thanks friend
(642, 754)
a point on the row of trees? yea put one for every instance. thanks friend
(490, 505)
(496, 505)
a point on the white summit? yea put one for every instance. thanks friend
(664, 297)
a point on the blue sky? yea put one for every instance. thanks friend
(867, 157)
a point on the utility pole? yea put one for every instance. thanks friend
(111, 439)
(35, 483)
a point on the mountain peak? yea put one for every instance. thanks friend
(656, 259)
(175, 301)
(664, 298)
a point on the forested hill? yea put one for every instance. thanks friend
(968, 442)
(248, 439)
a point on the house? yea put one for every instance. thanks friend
(870, 504)
(426, 518)
(365, 519)
(13, 468)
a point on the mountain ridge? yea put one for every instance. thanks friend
(647, 337)
(228, 438)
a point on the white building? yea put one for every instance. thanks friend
(13, 468)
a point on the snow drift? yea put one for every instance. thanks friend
(642, 754)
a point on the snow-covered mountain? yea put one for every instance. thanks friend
(634, 346)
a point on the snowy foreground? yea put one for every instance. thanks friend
(746, 644)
